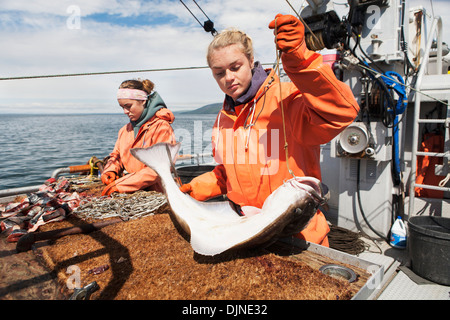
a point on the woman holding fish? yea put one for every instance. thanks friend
(149, 124)
(269, 131)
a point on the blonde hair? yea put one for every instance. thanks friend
(229, 37)
(145, 85)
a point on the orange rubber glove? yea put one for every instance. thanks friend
(108, 177)
(110, 189)
(186, 188)
(290, 32)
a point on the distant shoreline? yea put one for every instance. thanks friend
(212, 108)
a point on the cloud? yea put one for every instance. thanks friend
(40, 43)
(42, 37)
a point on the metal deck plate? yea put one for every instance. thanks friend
(401, 283)
(403, 288)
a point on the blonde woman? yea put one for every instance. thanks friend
(251, 129)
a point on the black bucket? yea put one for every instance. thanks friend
(187, 173)
(429, 247)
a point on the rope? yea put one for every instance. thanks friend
(314, 43)
(345, 240)
(109, 72)
(192, 13)
(444, 181)
(277, 67)
(93, 165)
(208, 26)
(101, 73)
(201, 10)
(304, 23)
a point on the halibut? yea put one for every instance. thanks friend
(215, 227)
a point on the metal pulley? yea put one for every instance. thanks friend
(355, 138)
(208, 25)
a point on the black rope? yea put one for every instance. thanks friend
(201, 10)
(191, 13)
(100, 73)
(107, 72)
(345, 240)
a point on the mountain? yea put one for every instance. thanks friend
(212, 108)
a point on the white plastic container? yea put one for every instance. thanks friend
(398, 234)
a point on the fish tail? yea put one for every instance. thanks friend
(159, 157)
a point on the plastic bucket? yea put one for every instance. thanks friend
(187, 173)
(429, 247)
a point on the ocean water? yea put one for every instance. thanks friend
(33, 146)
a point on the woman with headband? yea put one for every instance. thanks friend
(149, 124)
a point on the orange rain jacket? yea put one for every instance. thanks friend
(139, 177)
(252, 161)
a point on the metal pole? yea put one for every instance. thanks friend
(437, 23)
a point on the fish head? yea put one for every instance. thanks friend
(304, 195)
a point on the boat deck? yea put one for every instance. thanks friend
(28, 279)
(23, 277)
(399, 281)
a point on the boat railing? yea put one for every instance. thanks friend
(198, 157)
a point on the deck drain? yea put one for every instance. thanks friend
(337, 271)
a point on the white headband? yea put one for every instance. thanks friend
(134, 94)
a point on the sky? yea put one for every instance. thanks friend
(45, 37)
